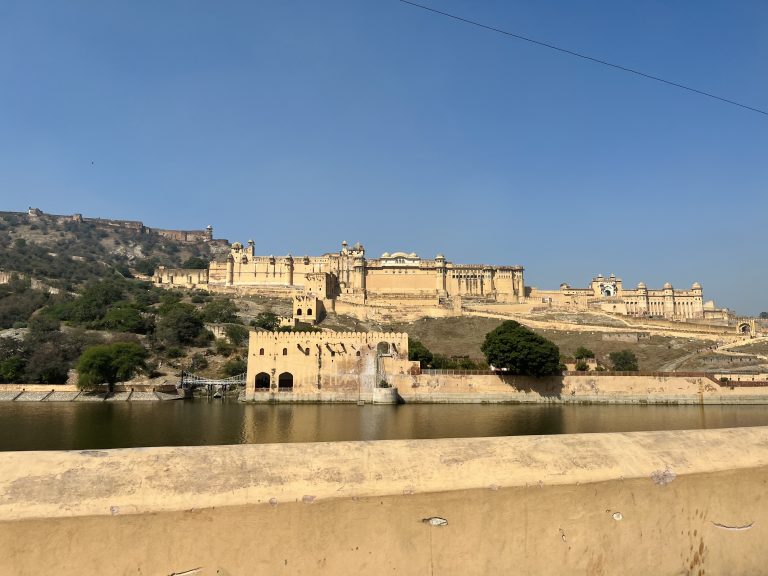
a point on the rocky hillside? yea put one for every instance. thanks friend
(66, 251)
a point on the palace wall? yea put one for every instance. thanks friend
(349, 273)
(308, 362)
(682, 502)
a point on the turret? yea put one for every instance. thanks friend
(440, 275)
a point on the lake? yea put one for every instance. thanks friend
(77, 426)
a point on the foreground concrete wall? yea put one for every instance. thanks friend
(639, 503)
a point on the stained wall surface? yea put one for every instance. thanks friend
(595, 504)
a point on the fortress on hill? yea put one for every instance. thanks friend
(405, 285)
(347, 279)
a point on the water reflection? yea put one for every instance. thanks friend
(76, 426)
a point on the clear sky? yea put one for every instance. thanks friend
(302, 123)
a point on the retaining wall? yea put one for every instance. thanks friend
(635, 503)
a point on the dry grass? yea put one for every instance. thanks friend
(464, 336)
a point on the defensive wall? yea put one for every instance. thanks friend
(682, 502)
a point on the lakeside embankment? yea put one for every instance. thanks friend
(671, 502)
(449, 386)
(71, 393)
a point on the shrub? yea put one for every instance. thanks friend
(234, 367)
(623, 361)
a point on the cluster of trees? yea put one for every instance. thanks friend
(510, 347)
(515, 349)
(18, 301)
(45, 354)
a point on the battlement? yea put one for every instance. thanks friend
(260, 336)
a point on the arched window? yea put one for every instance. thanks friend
(285, 381)
(309, 311)
(285, 351)
(261, 351)
(262, 381)
(298, 311)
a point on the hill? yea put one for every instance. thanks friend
(66, 251)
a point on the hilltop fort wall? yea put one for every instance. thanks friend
(184, 236)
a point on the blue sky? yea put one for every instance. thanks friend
(302, 123)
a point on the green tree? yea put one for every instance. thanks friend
(417, 351)
(623, 361)
(220, 311)
(110, 363)
(582, 353)
(237, 334)
(267, 321)
(124, 317)
(180, 324)
(519, 350)
(234, 367)
(196, 263)
(764, 315)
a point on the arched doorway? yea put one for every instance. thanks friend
(285, 381)
(745, 329)
(382, 348)
(262, 381)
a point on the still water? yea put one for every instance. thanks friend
(76, 426)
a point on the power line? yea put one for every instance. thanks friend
(584, 56)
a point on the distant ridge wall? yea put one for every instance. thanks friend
(185, 236)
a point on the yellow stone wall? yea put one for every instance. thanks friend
(337, 361)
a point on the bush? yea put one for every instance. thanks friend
(223, 347)
(623, 361)
(195, 263)
(582, 353)
(517, 349)
(220, 311)
(237, 334)
(267, 321)
(582, 366)
(174, 352)
(235, 367)
(199, 362)
(417, 351)
(180, 324)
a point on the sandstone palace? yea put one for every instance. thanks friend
(348, 277)
(405, 285)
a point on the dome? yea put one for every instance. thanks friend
(237, 246)
(412, 255)
(385, 255)
(641, 284)
(399, 255)
(439, 257)
(696, 286)
(358, 246)
(667, 286)
(251, 242)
